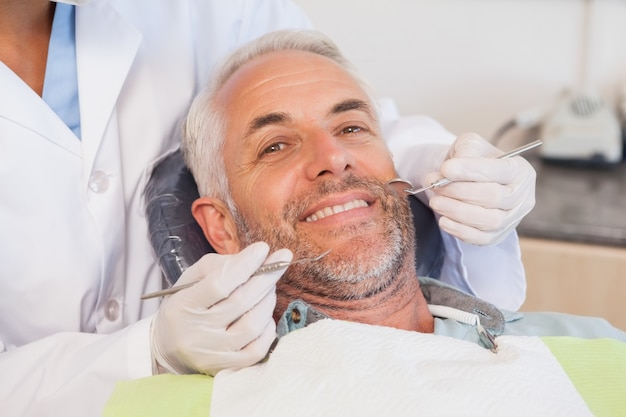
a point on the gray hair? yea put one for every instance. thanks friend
(204, 129)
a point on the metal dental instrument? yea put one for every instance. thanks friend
(271, 267)
(445, 181)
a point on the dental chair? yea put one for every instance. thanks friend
(179, 242)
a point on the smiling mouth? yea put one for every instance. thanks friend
(339, 208)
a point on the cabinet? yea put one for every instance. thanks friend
(575, 278)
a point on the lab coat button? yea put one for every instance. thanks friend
(112, 310)
(99, 182)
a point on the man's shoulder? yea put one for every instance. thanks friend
(503, 322)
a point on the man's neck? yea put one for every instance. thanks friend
(400, 305)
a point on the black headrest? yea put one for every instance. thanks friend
(179, 242)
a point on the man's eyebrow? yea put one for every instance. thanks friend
(281, 118)
(351, 104)
(266, 120)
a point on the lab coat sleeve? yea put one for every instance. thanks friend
(494, 273)
(43, 377)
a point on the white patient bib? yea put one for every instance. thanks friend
(338, 368)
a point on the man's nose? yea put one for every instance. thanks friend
(327, 155)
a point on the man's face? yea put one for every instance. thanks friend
(306, 165)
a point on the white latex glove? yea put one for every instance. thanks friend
(489, 197)
(225, 320)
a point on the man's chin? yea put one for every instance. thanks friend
(365, 257)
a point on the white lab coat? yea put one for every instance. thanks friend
(75, 255)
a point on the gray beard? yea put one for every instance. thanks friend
(357, 276)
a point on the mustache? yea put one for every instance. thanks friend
(295, 208)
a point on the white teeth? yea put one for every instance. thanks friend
(340, 208)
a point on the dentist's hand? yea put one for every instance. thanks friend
(225, 320)
(489, 197)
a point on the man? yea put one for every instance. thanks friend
(298, 137)
(92, 95)
(297, 134)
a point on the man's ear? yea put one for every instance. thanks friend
(217, 223)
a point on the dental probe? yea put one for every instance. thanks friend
(445, 181)
(271, 267)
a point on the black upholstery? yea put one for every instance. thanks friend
(178, 240)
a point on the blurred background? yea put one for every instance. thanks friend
(515, 71)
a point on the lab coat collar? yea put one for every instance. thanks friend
(27, 109)
(106, 46)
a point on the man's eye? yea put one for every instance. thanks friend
(274, 147)
(351, 130)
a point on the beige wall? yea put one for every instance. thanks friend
(472, 64)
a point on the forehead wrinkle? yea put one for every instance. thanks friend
(294, 77)
(279, 118)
